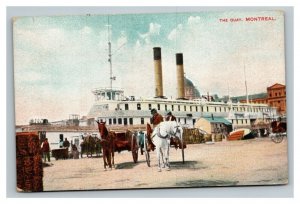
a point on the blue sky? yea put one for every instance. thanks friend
(58, 60)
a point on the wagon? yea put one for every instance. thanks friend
(278, 131)
(145, 145)
(61, 153)
(127, 140)
(116, 141)
(90, 145)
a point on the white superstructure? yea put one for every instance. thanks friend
(132, 111)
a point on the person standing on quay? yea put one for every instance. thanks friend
(156, 118)
(170, 117)
(66, 144)
(46, 150)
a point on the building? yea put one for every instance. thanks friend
(277, 97)
(214, 125)
(55, 133)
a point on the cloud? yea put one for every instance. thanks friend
(33, 77)
(194, 20)
(154, 30)
(137, 44)
(40, 40)
(86, 30)
(122, 39)
(176, 31)
(193, 23)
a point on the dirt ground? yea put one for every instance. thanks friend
(249, 162)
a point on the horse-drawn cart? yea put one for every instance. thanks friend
(90, 145)
(127, 140)
(145, 144)
(278, 131)
(61, 153)
(116, 141)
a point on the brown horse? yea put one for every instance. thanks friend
(150, 145)
(88, 146)
(97, 146)
(108, 146)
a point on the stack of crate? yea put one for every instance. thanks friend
(29, 162)
(192, 136)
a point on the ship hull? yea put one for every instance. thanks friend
(238, 134)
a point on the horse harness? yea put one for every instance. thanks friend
(167, 136)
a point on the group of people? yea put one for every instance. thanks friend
(45, 147)
(158, 118)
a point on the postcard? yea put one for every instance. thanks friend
(143, 101)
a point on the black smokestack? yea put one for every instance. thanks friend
(179, 59)
(157, 53)
(180, 76)
(158, 73)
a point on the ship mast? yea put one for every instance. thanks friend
(111, 77)
(110, 68)
(247, 98)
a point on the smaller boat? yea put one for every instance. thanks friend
(238, 134)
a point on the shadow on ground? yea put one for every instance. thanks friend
(47, 164)
(126, 165)
(192, 165)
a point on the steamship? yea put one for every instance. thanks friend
(112, 106)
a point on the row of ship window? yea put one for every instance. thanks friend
(129, 121)
(202, 108)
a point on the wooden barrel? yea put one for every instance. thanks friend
(192, 136)
(218, 138)
(207, 138)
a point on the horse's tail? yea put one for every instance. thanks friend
(111, 137)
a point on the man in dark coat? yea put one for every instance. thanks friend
(66, 143)
(170, 117)
(156, 118)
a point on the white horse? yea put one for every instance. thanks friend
(161, 138)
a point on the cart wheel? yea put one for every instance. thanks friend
(146, 151)
(134, 148)
(277, 138)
